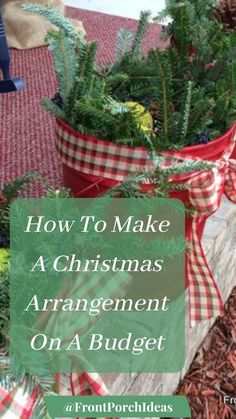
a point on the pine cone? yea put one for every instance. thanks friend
(225, 13)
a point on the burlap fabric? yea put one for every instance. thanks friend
(26, 30)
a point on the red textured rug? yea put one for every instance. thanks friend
(27, 132)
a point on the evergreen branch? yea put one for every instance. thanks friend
(184, 41)
(53, 109)
(164, 95)
(64, 59)
(12, 189)
(180, 28)
(129, 188)
(187, 166)
(162, 16)
(180, 187)
(124, 43)
(86, 61)
(85, 72)
(187, 110)
(114, 82)
(139, 36)
(54, 17)
(159, 178)
(116, 108)
(40, 409)
(184, 86)
(89, 115)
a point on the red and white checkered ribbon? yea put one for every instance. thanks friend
(97, 157)
(111, 161)
(83, 384)
(17, 404)
(205, 194)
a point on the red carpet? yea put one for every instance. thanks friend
(27, 132)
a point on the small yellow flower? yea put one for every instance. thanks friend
(142, 116)
(4, 257)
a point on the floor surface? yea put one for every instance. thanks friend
(26, 130)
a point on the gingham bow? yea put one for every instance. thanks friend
(18, 404)
(205, 194)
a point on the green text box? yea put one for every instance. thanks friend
(97, 284)
(122, 406)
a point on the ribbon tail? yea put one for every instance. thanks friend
(230, 183)
(205, 300)
(87, 384)
(80, 384)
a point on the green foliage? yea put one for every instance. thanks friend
(180, 29)
(56, 18)
(4, 309)
(115, 123)
(64, 59)
(139, 36)
(8, 378)
(53, 108)
(124, 43)
(163, 94)
(85, 92)
(186, 114)
(192, 80)
(158, 178)
(191, 83)
(10, 191)
(85, 82)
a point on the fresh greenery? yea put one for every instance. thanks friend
(131, 187)
(8, 379)
(11, 191)
(55, 17)
(84, 99)
(158, 180)
(189, 87)
(192, 79)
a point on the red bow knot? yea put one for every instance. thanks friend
(205, 193)
(230, 181)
